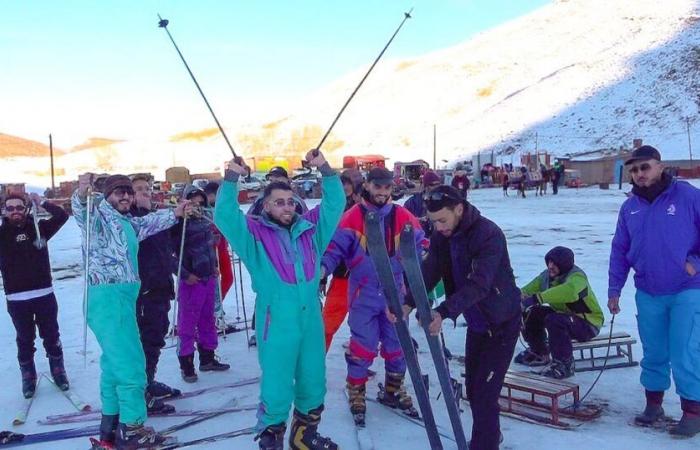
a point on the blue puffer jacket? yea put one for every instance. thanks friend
(657, 239)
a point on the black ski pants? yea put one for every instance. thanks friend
(27, 316)
(488, 357)
(560, 329)
(152, 317)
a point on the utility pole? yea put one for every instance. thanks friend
(53, 183)
(434, 147)
(690, 148)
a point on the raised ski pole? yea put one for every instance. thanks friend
(179, 273)
(88, 235)
(163, 23)
(380, 258)
(411, 266)
(407, 15)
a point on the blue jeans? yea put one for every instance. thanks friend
(669, 328)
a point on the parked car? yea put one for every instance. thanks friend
(178, 188)
(250, 184)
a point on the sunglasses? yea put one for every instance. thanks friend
(120, 192)
(18, 208)
(640, 168)
(280, 202)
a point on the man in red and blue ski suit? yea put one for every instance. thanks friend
(369, 325)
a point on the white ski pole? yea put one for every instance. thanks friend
(179, 273)
(88, 235)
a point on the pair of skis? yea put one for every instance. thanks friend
(73, 398)
(411, 264)
(85, 415)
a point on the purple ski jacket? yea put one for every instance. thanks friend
(349, 245)
(657, 240)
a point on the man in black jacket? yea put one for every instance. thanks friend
(469, 253)
(156, 265)
(26, 274)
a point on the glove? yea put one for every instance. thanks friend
(529, 302)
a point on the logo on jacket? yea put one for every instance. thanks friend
(21, 237)
(671, 211)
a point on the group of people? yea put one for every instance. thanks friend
(289, 250)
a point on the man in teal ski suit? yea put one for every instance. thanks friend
(113, 286)
(282, 251)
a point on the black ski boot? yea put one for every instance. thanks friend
(28, 378)
(358, 403)
(209, 363)
(689, 424)
(187, 368)
(532, 359)
(394, 394)
(559, 370)
(108, 433)
(58, 372)
(135, 437)
(272, 437)
(154, 405)
(161, 390)
(304, 432)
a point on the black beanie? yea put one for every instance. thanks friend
(562, 257)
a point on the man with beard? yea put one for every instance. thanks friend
(368, 321)
(156, 264)
(113, 287)
(336, 306)
(658, 234)
(26, 275)
(469, 253)
(282, 251)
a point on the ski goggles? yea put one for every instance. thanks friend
(18, 208)
(435, 201)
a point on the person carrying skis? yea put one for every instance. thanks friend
(26, 276)
(658, 234)
(559, 305)
(469, 253)
(196, 291)
(335, 307)
(156, 263)
(282, 251)
(113, 286)
(368, 321)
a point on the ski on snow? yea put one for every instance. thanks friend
(72, 397)
(411, 265)
(178, 413)
(380, 257)
(21, 416)
(9, 439)
(184, 395)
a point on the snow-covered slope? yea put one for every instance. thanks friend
(572, 76)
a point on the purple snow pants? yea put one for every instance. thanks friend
(369, 327)
(560, 329)
(195, 317)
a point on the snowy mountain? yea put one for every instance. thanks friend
(573, 76)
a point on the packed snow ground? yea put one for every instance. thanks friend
(581, 219)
